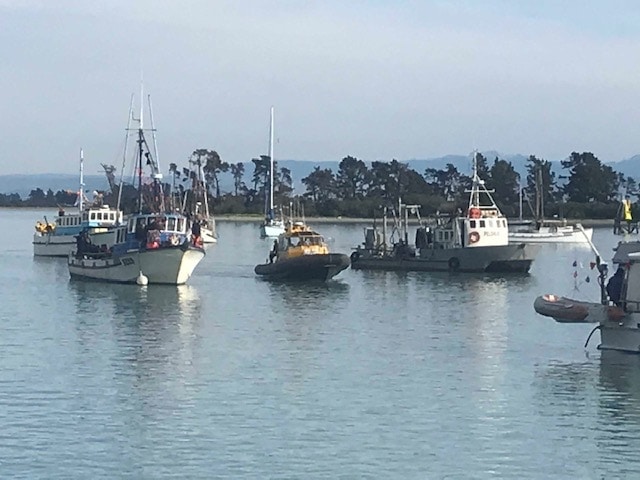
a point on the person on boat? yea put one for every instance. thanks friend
(627, 212)
(274, 251)
(614, 286)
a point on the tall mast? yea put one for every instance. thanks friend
(271, 164)
(140, 149)
(124, 154)
(81, 190)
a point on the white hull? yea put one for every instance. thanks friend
(623, 336)
(208, 235)
(51, 245)
(47, 245)
(559, 236)
(272, 230)
(171, 266)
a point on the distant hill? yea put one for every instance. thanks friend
(23, 184)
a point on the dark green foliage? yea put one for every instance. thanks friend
(592, 189)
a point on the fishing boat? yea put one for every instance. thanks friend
(301, 254)
(155, 246)
(543, 230)
(551, 232)
(272, 226)
(57, 238)
(473, 241)
(618, 321)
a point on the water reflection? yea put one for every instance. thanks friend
(301, 298)
(152, 330)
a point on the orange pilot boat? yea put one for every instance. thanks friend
(301, 254)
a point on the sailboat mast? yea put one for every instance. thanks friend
(140, 149)
(124, 154)
(81, 189)
(271, 164)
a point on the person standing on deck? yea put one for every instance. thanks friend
(627, 212)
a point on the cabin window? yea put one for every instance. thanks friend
(490, 223)
(93, 215)
(472, 223)
(171, 224)
(180, 225)
(482, 224)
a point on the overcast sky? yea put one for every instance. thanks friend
(374, 79)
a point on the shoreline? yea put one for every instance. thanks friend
(588, 223)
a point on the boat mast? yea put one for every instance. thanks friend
(271, 166)
(81, 190)
(155, 159)
(140, 142)
(124, 155)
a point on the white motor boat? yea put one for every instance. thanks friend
(58, 238)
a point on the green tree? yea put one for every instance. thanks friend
(590, 180)
(447, 183)
(321, 185)
(505, 182)
(212, 166)
(237, 170)
(352, 178)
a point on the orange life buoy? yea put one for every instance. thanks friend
(475, 212)
(474, 237)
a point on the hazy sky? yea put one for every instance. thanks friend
(375, 79)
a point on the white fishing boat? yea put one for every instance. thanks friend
(475, 241)
(272, 226)
(155, 246)
(58, 238)
(151, 248)
(543, 230)
(551, 232)
(617, 319)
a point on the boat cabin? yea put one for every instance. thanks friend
(299, 240)
(156, 230)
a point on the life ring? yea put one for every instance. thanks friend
(474, 237)
(355, 256)
(475, 212)
(454, 264)
(174, 240)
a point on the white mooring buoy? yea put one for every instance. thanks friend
(142, 279)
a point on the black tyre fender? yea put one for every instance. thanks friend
(454, 264)
(355, 256)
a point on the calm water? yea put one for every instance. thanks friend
(374, 375)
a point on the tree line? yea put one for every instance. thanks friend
(587, 188)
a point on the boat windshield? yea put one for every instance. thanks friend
(308, 240)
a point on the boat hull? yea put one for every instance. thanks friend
(172, 266)
(49, 245)
(321, 267)
(52, 245)
(272, 229)
(208, 236)
(566, 236)
(503, 259)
